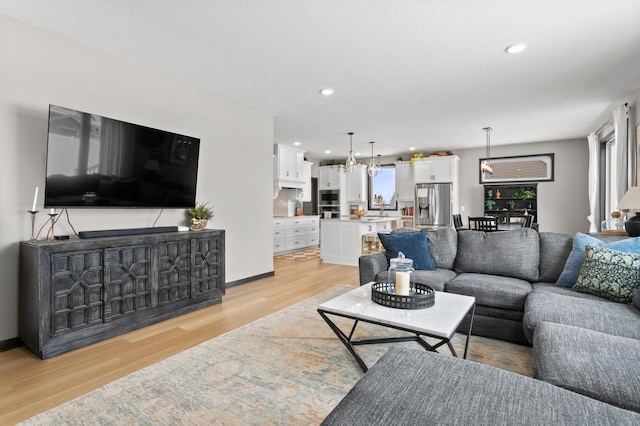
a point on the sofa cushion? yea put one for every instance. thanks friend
(552, 288)
(436, 278)
(597, 365)
(554, 250)
(413, 387)
(443, 246)
(412, 244)
(509, 253)
(491, 290)
(617, 319)
(572, 266)
(609, 273)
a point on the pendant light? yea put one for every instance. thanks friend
(485, 167)
(351, 162)
(372, 169)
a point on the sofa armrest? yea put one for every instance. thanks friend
(370, 264)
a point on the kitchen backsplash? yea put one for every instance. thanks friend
(281, 204)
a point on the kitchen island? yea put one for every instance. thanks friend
(341, 239)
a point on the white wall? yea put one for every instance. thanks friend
(234, 174)
(562, 204)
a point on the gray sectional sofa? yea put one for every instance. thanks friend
(587, 348)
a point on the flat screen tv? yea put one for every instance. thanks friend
(95, 161)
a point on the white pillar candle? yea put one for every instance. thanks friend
(53, 211)
(35, 199)
(402, 283)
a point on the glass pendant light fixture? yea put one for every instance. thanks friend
(485, 167)
(372, 169)
(351, 163)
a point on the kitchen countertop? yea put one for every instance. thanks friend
(364, 219)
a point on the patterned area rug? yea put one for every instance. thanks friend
(308, 254)
(287, 368)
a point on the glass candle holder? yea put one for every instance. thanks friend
(401, 274)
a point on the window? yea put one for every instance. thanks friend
(605, 166)
(382, 187)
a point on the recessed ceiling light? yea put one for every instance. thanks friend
(356, 154)
(327, 152)
(327, 91)
(296, 143)
(413, 148)
(515, 48)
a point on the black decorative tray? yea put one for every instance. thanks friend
(420, 296)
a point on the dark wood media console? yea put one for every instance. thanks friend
(81, 291)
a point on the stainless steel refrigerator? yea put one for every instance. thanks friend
(433, 204)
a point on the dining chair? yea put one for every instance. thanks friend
(484, 223)
(528, 221)
(457, 221)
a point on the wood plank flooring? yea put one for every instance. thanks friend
(29, 385)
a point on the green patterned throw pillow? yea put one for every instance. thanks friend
(609, 273)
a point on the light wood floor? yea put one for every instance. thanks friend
(29, 385)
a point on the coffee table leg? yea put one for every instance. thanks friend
(346, 340)
(466, 345)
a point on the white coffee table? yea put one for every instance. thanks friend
(439, 321)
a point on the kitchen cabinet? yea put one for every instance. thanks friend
(341, 240)
(77, 292)
(306, 177)
(356, 183)
(435, 169)
(331, 177)
(289, 166)
(295, 233)
(404, 182)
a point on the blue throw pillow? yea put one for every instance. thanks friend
(608, 273)
(412, 244)
(573, 264)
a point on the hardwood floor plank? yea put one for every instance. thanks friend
(29, 385)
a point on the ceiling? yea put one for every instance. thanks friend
(428, 74)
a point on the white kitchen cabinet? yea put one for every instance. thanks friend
(306, 177)
(404, 182)
(331, 177)
(289, 166)
(357, 184)
(435, 169)
(295, 233)
(341, 240)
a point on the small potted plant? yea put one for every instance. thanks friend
(489, 204)
(511, 204)
(199, 215)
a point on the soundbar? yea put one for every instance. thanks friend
(129, 231)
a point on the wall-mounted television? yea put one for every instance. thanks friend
(95, 161)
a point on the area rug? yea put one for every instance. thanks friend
(287, 368)
(308, 254)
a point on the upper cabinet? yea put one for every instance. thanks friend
(436, 169)
(288, 166)
(404, 181)
(357, 185)
(330, 177)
